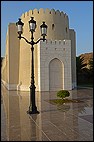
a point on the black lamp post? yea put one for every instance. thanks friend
(32, 26)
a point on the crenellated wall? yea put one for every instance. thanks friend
(56, 31)
(19, 52)
(52, 79)
(57, 23)
(48, 51)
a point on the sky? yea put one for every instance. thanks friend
(80, 15)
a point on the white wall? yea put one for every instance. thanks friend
(48, 51)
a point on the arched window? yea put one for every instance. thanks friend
(52, 26)
(66, 29)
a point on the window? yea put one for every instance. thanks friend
(52, 26)
(66, 30)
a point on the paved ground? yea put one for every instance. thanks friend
(69, 122)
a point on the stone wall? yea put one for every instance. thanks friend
(16, 70)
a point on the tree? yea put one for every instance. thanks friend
(91, 64)
(1, 60)
(84, 74)
(81, 69)
(91, 67)
(79, 64)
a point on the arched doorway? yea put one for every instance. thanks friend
(55, 75)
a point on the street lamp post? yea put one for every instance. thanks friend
(32, 26)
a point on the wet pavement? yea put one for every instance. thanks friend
(68, 122)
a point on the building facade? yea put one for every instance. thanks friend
(54, 59)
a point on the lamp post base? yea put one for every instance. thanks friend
(32, 111)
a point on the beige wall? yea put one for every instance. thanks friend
(19, 53)
(14, 49)
(5, 63)
(73, 55)
(60, 21)
(10, 67)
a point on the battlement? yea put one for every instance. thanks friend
(56, 42)
(42, 11)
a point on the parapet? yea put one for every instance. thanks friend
(42, 11)
(56, 42)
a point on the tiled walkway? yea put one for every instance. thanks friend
(69, 122)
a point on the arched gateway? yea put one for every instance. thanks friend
(55, 75)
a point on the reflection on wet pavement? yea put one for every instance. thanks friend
(71, 122)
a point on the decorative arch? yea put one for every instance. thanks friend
(56, 75)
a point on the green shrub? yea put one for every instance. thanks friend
(63, 93)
